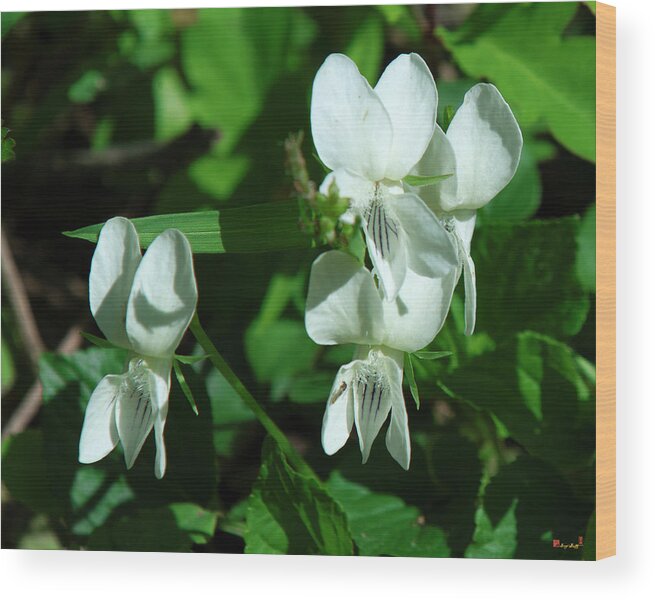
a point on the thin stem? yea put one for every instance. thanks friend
(226, 371)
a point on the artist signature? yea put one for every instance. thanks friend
(570, 546)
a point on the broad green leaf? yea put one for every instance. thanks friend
(411, 380)
(422, 180)
(289, 513)
(585, 262)
(535, 386)
(233, 56)
(185, 386)
(493, 542)
(8, 145)
(311, 387)
(542, 74)
(87, 87)
(257, 228)
(526, 278)
(383, 525)
(199, 523)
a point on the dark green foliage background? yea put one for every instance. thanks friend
(149, 112)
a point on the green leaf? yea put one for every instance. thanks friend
(172, 112)
(411, 380)
(190, 360)
(493, 542)
(366, 46)
(585, 260)
(257, 228)
(199, 523)
(8, 144)
(184, 386)
(448, 115)
(526, 278)
(289, 513)
(537, 388)
(429, 355)
(383, 525)
(87, 87)
(591, 5)
(543, 74)
(9, 19)
(423, 180)
(97, 341)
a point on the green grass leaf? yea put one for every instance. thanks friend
(411, 380)
(256, 228)
(184, 386)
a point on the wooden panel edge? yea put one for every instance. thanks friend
(605, 280)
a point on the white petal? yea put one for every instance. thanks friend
(350, 126)
(415, 317)
(115, 260)
(372, 400)
(134, 410)
(487, 142)
(386, 242)
(163, 297)
(99, 435)
(338, 418)
(352, 186)
(398, 442)
(464, 224)
(471, 294)
(438, 159)
(343, 304)
(409, 94)
(160, 386)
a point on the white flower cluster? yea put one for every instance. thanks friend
(376, 140)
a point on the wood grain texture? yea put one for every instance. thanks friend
(606, 280)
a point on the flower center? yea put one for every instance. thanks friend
(136, 387)
(381, 227)
(370, 384)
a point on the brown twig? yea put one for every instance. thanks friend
(21, 304)
(30, 404)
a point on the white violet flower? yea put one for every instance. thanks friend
(482, 148)
(371, 138)
(344, 306)
(144, 305)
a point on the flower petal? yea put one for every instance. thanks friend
(339, 417)
(350, 126)
(438, 159)
(372, 400)
(160, 386)
(415, 317)
(163, 297)
(409, 94)
(487, 142)
(386, 242)
(99, 434)
(464, 226)
(343, 304)
(397, 439)
(114, 263)
(134, 411)
(350, 185)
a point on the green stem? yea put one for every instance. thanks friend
(226, 371)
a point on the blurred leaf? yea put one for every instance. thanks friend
(535, 386)
(383, 525)
(289, 513)
(493, 542)
(592, 6)
(541, 73)
(310, 387)
(150, 42)
(219, 175)
(257, 228)
(400, 16)
(8, 370)
(428, 355)
(232, 57)
(173, 528)
(87, 87)
(172, 112)
(39, 536)
(8, 145)
(9, 19)
(585, 262)
(411, 380)
(366, 46)
(526, 278)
